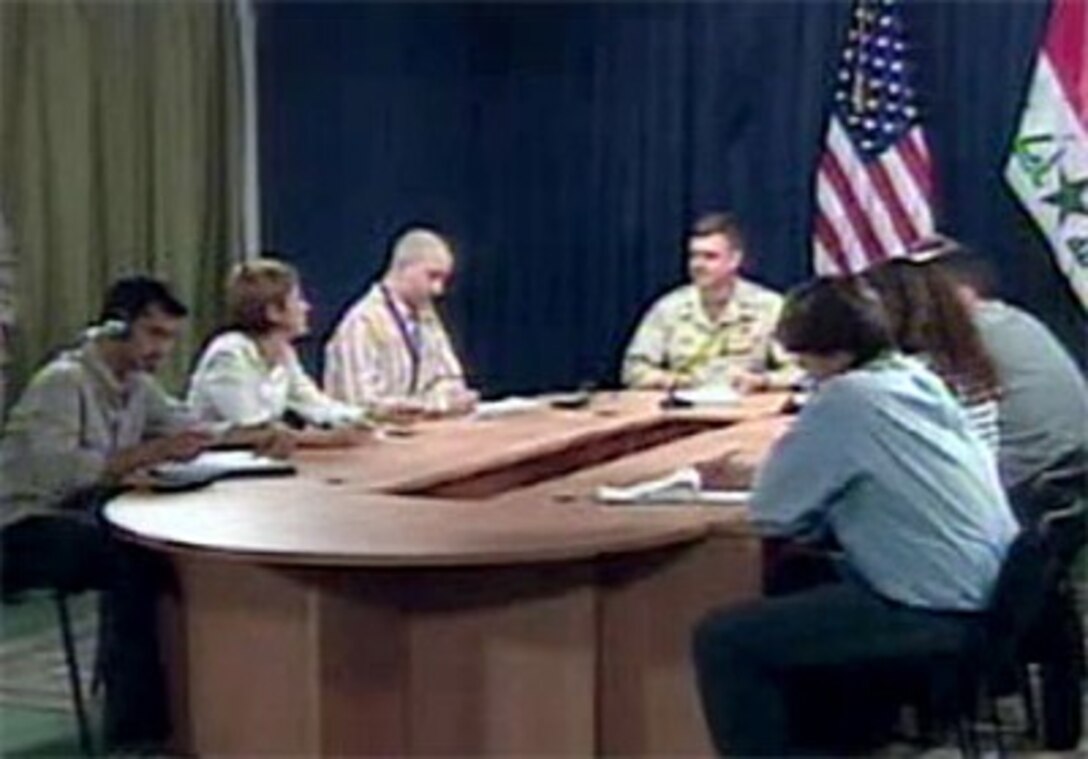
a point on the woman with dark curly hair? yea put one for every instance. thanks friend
(929, 320)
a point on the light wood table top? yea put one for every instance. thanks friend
(747, 443)
(369, 506)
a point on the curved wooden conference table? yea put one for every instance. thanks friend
(457, 591)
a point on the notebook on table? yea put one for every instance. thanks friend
(216, 465)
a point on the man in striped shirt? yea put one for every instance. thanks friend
(390, 353)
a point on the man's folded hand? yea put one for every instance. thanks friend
(725, 472)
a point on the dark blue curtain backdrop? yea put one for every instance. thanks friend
(566, 146)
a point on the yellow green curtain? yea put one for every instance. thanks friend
(121, 129)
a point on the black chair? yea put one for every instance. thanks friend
(75, 679)
(1058, 502)
(994, 661)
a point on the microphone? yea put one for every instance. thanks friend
(577, 399)
(672, 400)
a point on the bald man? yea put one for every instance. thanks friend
(390, 353)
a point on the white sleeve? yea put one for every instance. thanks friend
(226, 387)
(306, 399)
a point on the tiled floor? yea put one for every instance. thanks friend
(36, 732)
(36, 717)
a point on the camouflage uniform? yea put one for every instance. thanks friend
(677, 344)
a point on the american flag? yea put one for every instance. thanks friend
(874, 183)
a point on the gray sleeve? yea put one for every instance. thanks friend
(166, 415)
(45, 451)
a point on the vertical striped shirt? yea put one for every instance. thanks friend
(382, 353)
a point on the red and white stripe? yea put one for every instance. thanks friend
(869, 212)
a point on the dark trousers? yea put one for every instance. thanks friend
(70, 554)
(756, 663)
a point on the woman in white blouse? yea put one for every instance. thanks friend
(250, 373)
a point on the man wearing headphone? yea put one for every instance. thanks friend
(91, 418)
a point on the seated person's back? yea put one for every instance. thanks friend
(882, 461)
(1044, 398)
(929, 320)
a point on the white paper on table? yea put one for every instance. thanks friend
(506, 406)
(709, 395)
(681, 486)
(224, 464)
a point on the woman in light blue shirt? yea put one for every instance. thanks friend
(880, 460)
(250, 374)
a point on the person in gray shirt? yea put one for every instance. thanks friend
(91, 418)
(1043, 461)
(1043, 418)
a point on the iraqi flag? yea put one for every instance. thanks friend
(1048, 168)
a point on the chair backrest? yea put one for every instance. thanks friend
(1063, 491)
(1036, 562)
(1057, 488)
(1066, 531)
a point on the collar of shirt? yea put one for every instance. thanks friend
(737, 309)
(415, 319)
(114, 391)
(252, 353)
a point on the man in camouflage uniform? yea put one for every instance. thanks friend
(716, 330)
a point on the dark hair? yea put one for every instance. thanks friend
(719, 223)
(831, 315)
(129, 298)
(969, 268)
(928, 317)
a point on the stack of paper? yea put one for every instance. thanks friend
(506, 407)
(708, 395)
(681, 486)
(216, 465)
